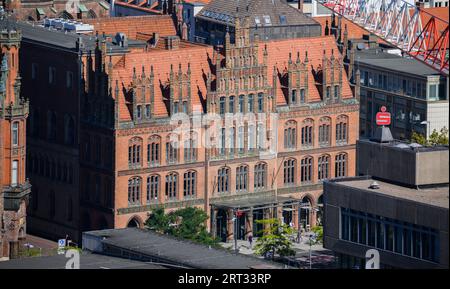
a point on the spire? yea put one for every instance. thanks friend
(298, 57)
(143, 72)
(327, 29)
(151, 71)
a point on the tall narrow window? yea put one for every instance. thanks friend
(290, 135)
(302, 95)
(289, 171)
(307, 133)
(251, 138)
(241, 139)
(153, 150)
(134, 151)
(147, 111)
(14, 173)
(341, 165)
(260, 102)
(152, 188)
(324, 131)
(241, 178)
(189, 185)
(341, 129)
(171, 151)
(306, 169)
(323, 167)
(15, 133)
(231, 104)
(222, 141)
(294, 96)
(171, 186)
(241, 103)
(134, 190)
(260, 176)
(222, 105)
(190, 148)
(250, 102)
(223, 180)
(232, 140)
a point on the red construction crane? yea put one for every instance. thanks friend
(405, 26)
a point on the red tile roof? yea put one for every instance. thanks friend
(132, 25)
(439, 12)
(201, 56)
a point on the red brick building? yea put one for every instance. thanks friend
(14, 187)
(35, 10)
(299, 126)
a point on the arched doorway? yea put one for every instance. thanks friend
(134, 223)
(305, 213)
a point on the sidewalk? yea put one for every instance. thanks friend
(320, 257)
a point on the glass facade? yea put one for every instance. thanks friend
(390, 235)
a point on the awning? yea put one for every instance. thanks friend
(82, 8)
(40, 11)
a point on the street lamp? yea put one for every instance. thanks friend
(312, 237)
(426, 122)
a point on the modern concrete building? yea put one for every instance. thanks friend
(415, 94)
(399, 207)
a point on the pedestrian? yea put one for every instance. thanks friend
(250, 241)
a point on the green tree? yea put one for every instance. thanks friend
(275, 239)
(318, 230)
(158, 221)
(439, 138)
(418, 138)
(186, 223)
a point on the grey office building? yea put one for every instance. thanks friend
(415, 94)
(398, 204)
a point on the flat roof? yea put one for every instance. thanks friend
(182, 252)
(403, 145)
(383, 60)
(435, 196)
(87, 261)
(67, 40)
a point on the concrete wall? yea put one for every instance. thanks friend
(402, 165)
(432, 167)
(337, 196)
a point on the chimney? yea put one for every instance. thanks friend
(172, 42)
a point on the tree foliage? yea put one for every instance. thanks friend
(186, 223)
(436, 138)
(318, 230)
(275, 239)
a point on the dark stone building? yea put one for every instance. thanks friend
(401, 210)
(268, 19)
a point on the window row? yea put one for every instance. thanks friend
(51, 126)
(307, 168)
(52, 75)
(153, 187)
(243, 103)
(307, 132)
(54, 170)
(390, 235)
(242, 178)
(172, 151)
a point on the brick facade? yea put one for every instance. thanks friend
(128, 98)
(14, 188)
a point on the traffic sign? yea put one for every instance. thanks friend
(383, 117)
(61, 246)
